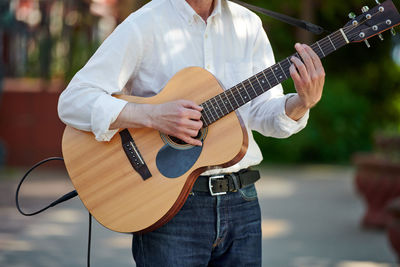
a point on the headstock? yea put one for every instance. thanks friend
(372, 22)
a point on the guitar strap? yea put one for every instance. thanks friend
(308, 26)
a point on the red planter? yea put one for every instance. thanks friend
(378, 181)
(393, 226)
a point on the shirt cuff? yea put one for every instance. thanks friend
(105, 111)
(288, 124)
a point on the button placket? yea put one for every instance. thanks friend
(207, 49)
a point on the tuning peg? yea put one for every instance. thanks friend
(393, 31)
(352, 15)
(377, 1)
(364, 9)
(367, 44)
(380, 37)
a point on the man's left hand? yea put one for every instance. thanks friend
(309, 77)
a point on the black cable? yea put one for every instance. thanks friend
(58, 201)
(65, 197)
(89, 239)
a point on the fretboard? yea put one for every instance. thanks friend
(240, 94)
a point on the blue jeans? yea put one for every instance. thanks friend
(208, 231)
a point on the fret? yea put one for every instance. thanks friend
(322, 51)
(208, 120)
(216, 107)
(238, 90)
(275, 72)
(340, 39)
(286, 65)
(290, 64)
(245, 97)
(331, 42)
(265, 77)
(204, 112)
(336, 41)
(252, 89)
(272, 84)
(227, 111)
(263, 80)
(230, 90)
(258, 84)
(253, 84)
(228, 100)
(327, 46)
(282, 70)
(211, 113)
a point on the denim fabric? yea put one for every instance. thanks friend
(208, 231)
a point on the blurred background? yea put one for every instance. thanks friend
(347, 159)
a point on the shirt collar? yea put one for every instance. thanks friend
(187, 12)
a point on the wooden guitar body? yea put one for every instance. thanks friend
(116, 194)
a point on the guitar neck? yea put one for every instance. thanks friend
(245, 91)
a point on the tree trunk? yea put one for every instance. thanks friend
(307, 13)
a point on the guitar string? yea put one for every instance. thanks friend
(255, 87)
(325, 42)
(322, 44)
(281, 71)
(330, 39)
(252, 87)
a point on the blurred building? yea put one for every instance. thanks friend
(40, 37)
(42, 45)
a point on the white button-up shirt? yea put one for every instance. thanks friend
(160, 39)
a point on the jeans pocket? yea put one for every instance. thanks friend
(248, 193)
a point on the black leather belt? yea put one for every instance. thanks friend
(223, 183)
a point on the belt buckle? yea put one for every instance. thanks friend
(210, 186)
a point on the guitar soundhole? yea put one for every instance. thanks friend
(180, 144)
(177, 140)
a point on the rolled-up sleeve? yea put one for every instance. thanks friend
(267, 112)
(87, 102)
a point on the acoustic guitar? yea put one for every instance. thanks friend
(141, 178)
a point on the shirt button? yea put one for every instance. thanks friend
(206, 35)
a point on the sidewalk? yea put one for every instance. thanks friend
(310, 219)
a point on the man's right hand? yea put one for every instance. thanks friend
(180, 119)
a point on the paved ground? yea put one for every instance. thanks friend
(310, 219)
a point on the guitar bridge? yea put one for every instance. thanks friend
(133, 154)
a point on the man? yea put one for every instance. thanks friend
(147, 49)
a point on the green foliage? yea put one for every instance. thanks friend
(337, 127)
(81, 49)
(361, 94)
